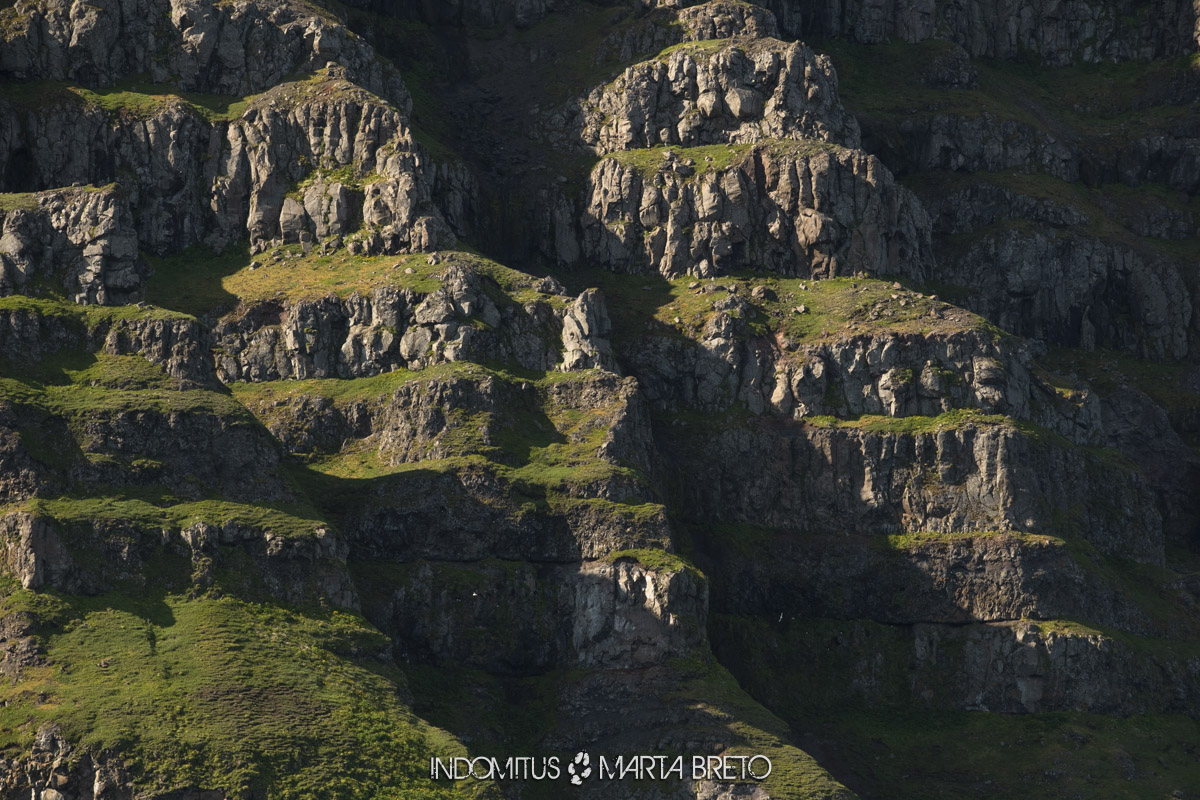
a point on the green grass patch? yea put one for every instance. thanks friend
(1107, 104)
(920, 539)
(222, 694)
(133, 96)
(291, 520)
(199, 282)
(1106, 371)
(18, 201)
(833, 309)
(928, 755)
(708, 688)
(917, 425)
(656, 560)
(718, 157)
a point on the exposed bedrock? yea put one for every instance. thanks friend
(937, 579)
(716, 19)
(805, 209)
(220, 48)
(390, 328)
(430, 418)
(1038, 269)
(1013, 667)
(1056, 33)
(987, 143)
(178, 344)
(470, 513)
(1074, 290)
(513, 617)
(81, 241)
(94, 557)
(743, 91)
(311, 161)
(893, 374)
(954, 478)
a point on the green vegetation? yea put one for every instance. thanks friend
(706, 687)
(133, 96)
(18, 201)
(914, 425)
(717, 157)
(539, 444)
(198, 281)
(926, 755)
(1107, 210)
(159, 513)
(223, 694)
(1167, 383)
(916, 540)
(702, 47)
(833, 309)
(655, 560)
(348, 175)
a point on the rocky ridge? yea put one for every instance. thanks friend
(881, 485)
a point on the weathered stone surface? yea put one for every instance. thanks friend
(965, 478)
(196, 181)
(390, 328)
(745, 91)
(516, 618)
(774, 209)
(80, 239)
(232, 49)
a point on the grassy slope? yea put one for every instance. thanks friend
(222, 694)
(546, 450)
(198, 281)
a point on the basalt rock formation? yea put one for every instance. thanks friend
(385, 382)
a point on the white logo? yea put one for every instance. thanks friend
(583, 762)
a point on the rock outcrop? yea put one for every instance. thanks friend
(806, 209)
(391, 328)
(315, 160)
(594, 615)
(953, 477)
(80, 240)
(742, 91)
(229, 49)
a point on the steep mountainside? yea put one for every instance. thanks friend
(385, 380)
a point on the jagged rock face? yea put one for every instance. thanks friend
(1016, 667)
(92, 558)
(1068, 288)
(888, 374)
(81, 239)
(57, 770)
(519, 618)
(1077, 291)
(746, 91)
(1057, 33)
(177, 344)
(821, 214)
(932, 580)
(426, 418)
(232, 49)
(970, 478)
(391, 328)
(718, 19)
(216, 183)
(464, 516)
(986, 143)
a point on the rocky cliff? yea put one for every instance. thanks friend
(387, 381)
